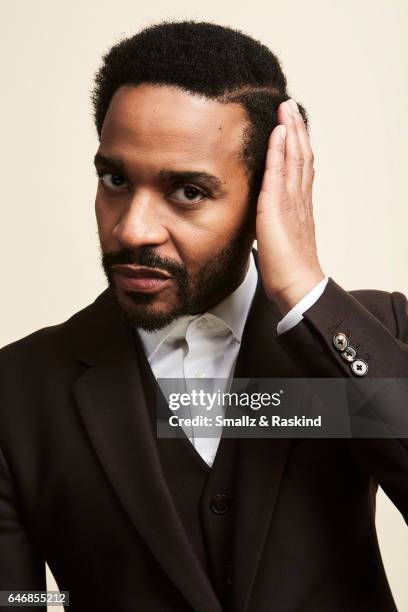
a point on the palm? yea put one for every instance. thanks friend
(284, 224)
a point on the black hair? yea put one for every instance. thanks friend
(218, 62)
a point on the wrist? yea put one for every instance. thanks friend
(294, 292)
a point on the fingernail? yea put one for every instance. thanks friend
(293, 105)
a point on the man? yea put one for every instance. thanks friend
(201, 151)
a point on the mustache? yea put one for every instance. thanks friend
(143, 257)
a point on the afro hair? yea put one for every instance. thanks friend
(203, 58)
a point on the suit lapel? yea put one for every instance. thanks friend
(113, 409)
(261, 462)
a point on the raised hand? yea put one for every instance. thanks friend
(285, 228)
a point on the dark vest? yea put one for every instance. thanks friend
(205, 497)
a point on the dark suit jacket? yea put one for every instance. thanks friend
(81, 484)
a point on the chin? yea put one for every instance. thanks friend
(147, 314)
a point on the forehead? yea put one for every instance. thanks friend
(164, 124)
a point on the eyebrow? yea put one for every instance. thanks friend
(114, 164)
(184, 176)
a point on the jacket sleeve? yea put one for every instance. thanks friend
(21, 568)
(377, 329)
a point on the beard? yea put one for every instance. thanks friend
(214, 281)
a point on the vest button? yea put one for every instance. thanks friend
(220, 503)
(228, 574)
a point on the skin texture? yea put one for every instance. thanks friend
(285, 228)
(146, 219)
(201, 238)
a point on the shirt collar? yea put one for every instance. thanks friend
(233, 311)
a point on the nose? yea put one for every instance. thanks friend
(141, 223)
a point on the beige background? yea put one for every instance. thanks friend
(346, 61)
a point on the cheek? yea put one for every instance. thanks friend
(223, 218)
(201, 237)
(105, 219)
(100, 211)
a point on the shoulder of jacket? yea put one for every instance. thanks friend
(48, 339)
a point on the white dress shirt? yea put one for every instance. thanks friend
(206, 345)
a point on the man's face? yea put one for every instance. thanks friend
(172, 202)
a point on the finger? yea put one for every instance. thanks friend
(274, 178)
(307, 153)
(294, 154)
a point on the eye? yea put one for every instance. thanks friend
(188, 194)
(113, 181)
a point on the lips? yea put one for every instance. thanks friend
(139, 272)
(145, 280)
